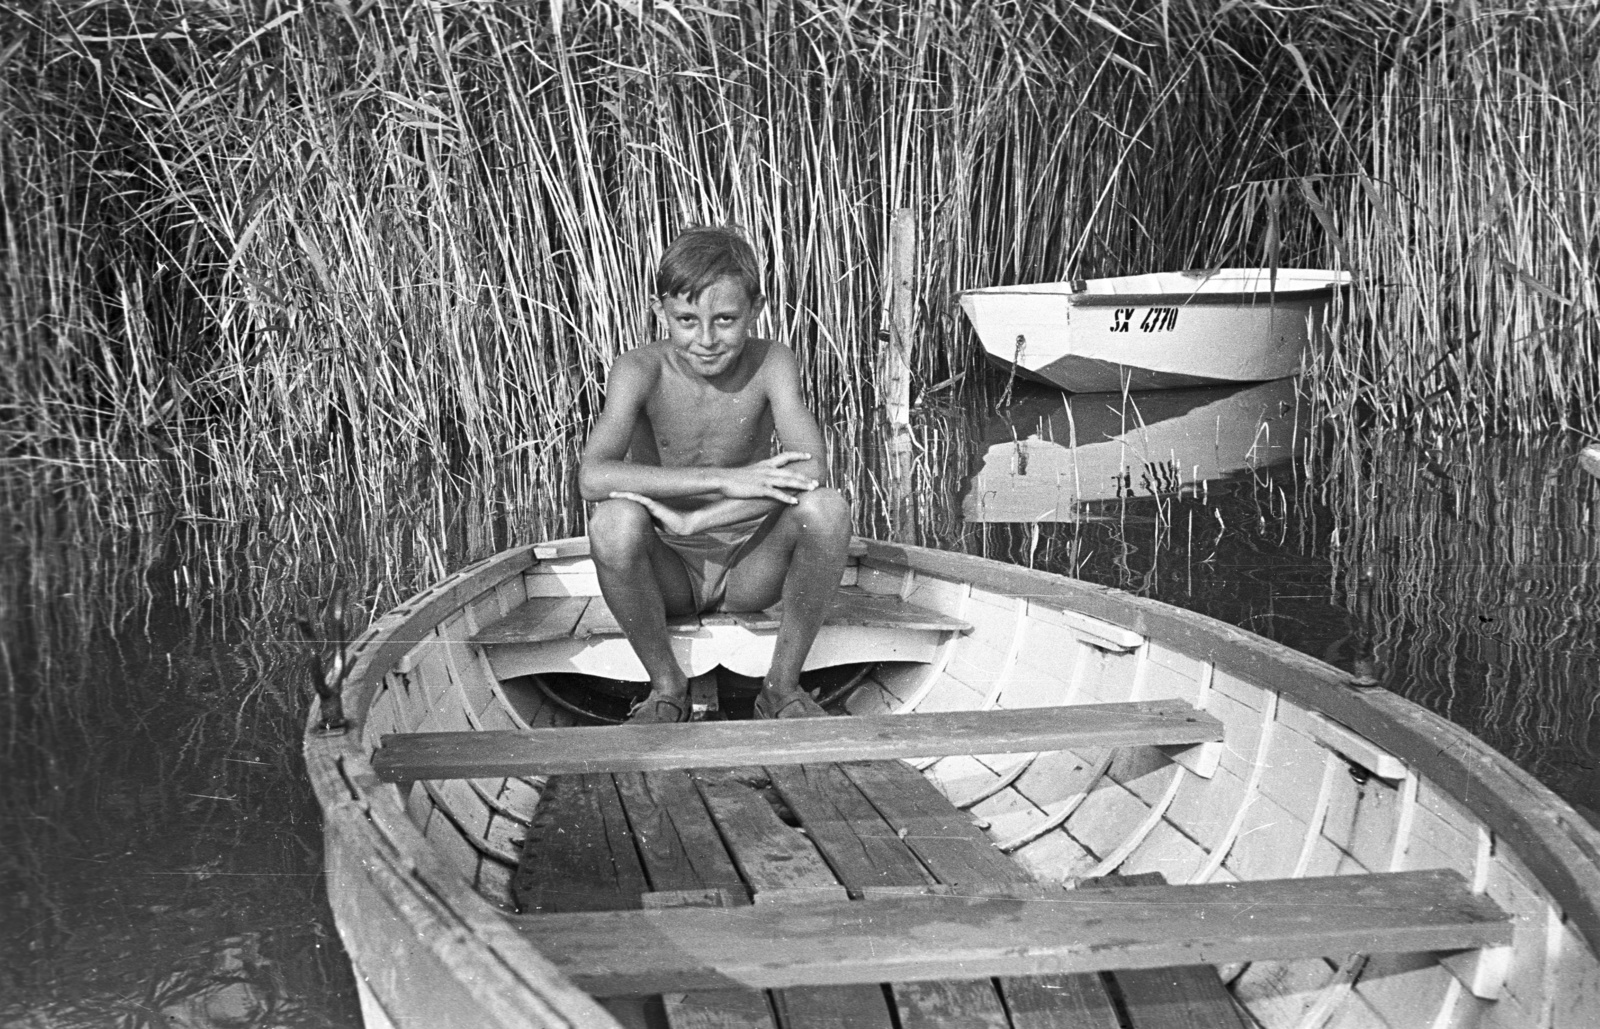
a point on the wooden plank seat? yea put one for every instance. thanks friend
(405, 757)
(915, 938)
(542, 619)
(554, 550)
(579, 634)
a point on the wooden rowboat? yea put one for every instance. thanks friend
(1054, 801)
(1159, 331)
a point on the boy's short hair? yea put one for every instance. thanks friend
(703, 254)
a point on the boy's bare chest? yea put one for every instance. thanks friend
(700, 426)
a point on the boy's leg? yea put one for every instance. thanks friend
(642, 582)
(800, 562)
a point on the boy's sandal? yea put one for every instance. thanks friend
(799, 706)
(658, 708)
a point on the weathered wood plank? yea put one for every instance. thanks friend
(544, 618)
(854, 606)
(859, 845)
(677, 842)
(714, 1009)
(774, 858)
(578, 855)
(535, 621)
(1059, 1002)
(719, 1009)
(1178, 997)
(783, 868)
(954, 849)
(866, 853)
(578, 546)
(638, 748)
(958, 853)
(1091, 929)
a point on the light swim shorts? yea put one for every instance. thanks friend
(708, 557)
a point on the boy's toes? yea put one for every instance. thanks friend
(657, 708)
(793, 705)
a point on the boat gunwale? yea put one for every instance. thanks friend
(1255, 298)
(402, 865)
(1080, 296)
(1559, 848)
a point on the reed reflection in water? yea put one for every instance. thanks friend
(162, 861)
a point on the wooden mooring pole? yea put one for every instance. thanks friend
(895, 374)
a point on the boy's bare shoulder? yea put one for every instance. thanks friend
(774, 354)
(640, 365)
(647, 356)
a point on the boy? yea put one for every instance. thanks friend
(695, 512)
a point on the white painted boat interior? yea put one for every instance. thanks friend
(1289, 793)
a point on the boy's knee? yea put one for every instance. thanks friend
(617, 528)
(824, 511)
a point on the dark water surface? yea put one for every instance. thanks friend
(160, 863)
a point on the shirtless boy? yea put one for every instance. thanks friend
(696, 513)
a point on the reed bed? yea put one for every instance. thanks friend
(289, 234)
(388, 230)
(1461, 186)
(266, 262)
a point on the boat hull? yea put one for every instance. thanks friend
(1164, 331)
(1313, 777)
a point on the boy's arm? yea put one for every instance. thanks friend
(798, 431)
(803, 451)
(604, 469)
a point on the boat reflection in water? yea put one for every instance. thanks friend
(1051, 456)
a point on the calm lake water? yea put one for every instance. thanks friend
(161, 863)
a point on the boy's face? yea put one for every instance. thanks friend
(710, 332)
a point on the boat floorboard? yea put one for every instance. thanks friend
(821, 865)
(813, 835)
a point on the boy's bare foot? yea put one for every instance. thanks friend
(797, 704)
(658, 707)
